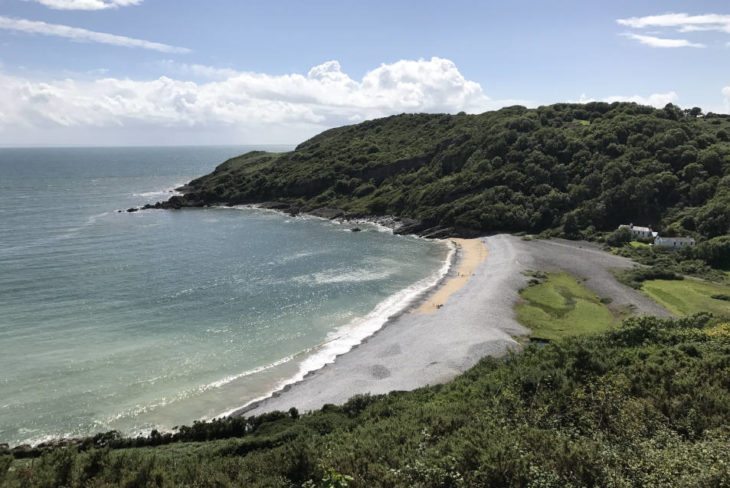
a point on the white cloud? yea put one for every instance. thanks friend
(658, 100)
(86, 4)
(681, 22)
(77, 34)
(197, 70)
(662, 42)
(243, 106)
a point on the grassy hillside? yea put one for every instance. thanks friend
(645, 404)
(569, 167)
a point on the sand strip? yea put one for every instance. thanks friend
(472, 253)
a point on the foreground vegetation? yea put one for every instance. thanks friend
(645, 404)
(556, 305)
(574, 169)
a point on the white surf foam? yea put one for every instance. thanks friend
(354, 333)
(260, 369)
(166, 192)
(341, 276)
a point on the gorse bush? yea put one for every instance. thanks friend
(636, 276)
(646, 404)
(671, 264)
(716, 251)
(619, 237)
(571, 168)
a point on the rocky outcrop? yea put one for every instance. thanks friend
(176, 203)
(281, 206)
(275, 206)
(400, 226)
(327, 213)
(411, 226)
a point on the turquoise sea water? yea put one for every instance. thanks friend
(153, 319)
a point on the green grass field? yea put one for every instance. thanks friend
(639, 245)
(560, 307)
(689, 296)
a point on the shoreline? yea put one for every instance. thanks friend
(412, 350)
(437, 345)
(477, 320)
(472, 252)
(408, 305)
(398, 225)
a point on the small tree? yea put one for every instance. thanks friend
(715, 252)
(619, 237)
(571, 226)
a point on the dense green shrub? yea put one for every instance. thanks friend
(619, 237)
(634, 277)
(716, 251)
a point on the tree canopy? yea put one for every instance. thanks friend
(576, 168)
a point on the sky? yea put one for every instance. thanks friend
(169, 72)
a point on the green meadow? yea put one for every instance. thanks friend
(689, 296)
(560, 306)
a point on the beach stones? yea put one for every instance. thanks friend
(379, 372)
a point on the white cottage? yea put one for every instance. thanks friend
(674, 242)
(639, 232)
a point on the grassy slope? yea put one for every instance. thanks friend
(689, 296)
(642, 405)
(560, 307)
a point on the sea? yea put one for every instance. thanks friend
(125, 321)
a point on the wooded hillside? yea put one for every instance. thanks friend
(570, 167)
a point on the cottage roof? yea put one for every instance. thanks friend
(641, 229)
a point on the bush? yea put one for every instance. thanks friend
(364, 189)
(619, 237)
(716, 252)
(634, 277)
(5, 462)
